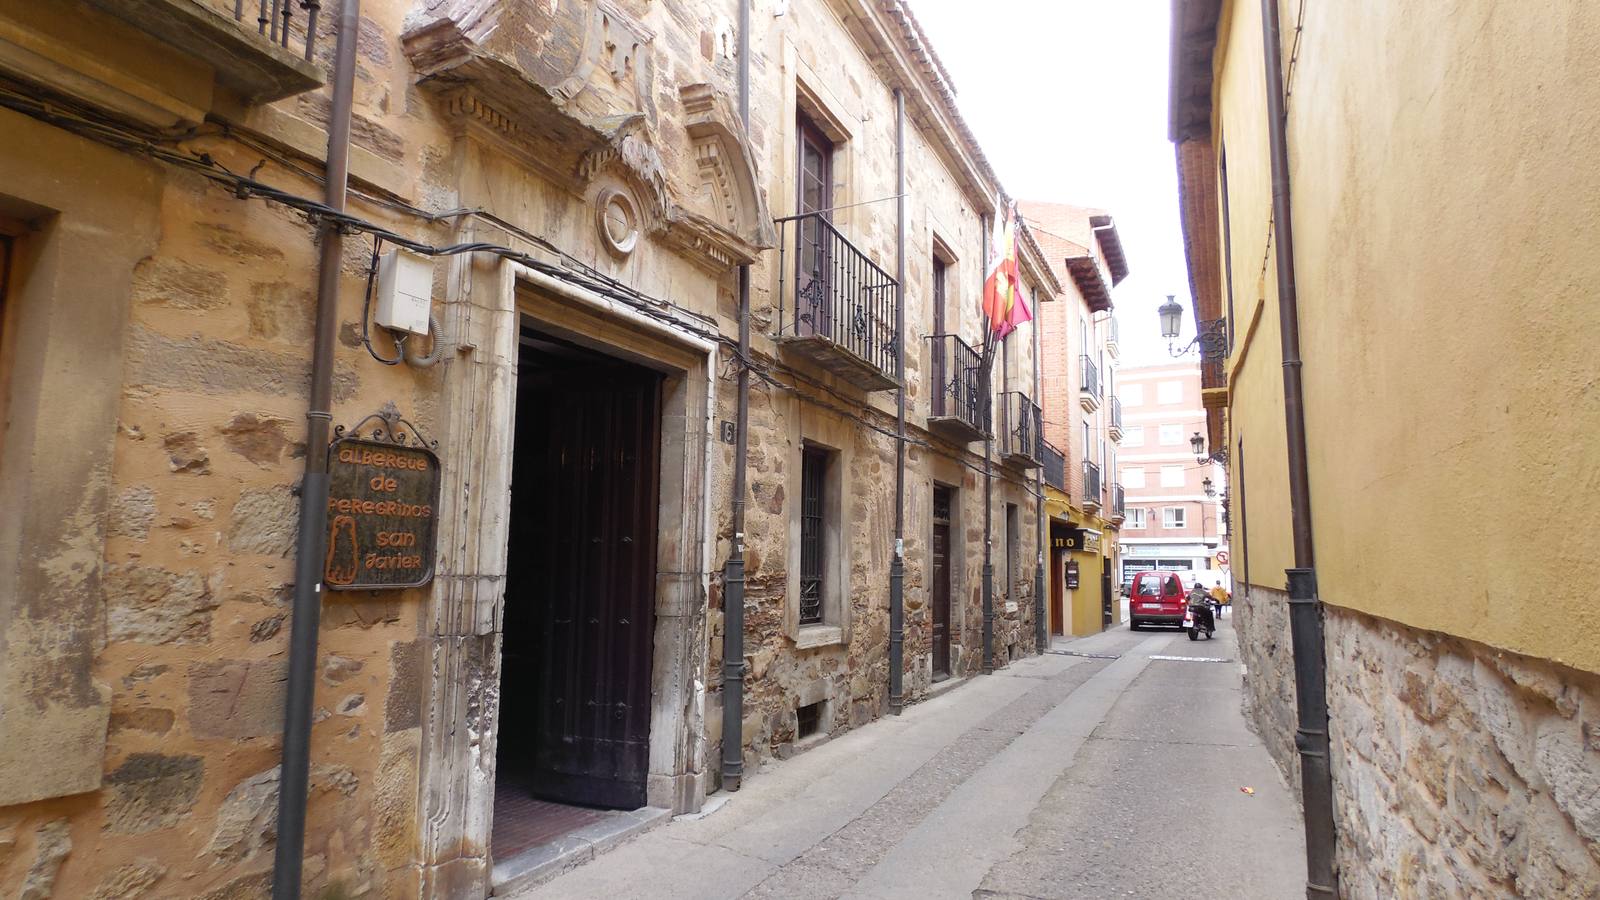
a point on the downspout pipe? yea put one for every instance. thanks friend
(311, 542)
(1041, 628)
(733, 575)
(1306, 629)
(897, 563)
(988, 470)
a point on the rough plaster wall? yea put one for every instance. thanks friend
(1402, 303)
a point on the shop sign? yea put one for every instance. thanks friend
(1072, 574)
(1091, 542)
(383, 500)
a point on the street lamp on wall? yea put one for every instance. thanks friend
(1210, 489)
(1212, 339)
(1197, 443)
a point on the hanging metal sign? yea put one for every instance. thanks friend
(1072, 574)
(383, 500)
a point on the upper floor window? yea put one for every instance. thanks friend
(1172, 476)
(1169, 392)
(939, 273)
(1132, 395)
(1133, 436)
(1171, 435)
(1174, 517)
(1136, 517)
(816, 168)
(1133, 477)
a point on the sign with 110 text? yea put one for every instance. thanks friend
(382, 505)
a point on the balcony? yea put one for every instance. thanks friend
(1021, 437)
(1092, 487)
(956, 408)
(1088, 384)
(1114, 420)
(1113, 347)
(1119, 504)
(1055, 466)
(837, 308)
(257, 50)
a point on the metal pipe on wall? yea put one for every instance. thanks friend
(897, 563)
(310, 544)
(733, 576)
(988, 467)
(1041, 628)
(1306, 632)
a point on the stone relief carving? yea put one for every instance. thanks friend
(573, 96)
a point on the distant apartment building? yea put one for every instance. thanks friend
(1171, 521)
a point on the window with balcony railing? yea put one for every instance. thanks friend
(1055, 466)
(955, 407)
(837, 305)
(1091, 482)
(1021, 429)
(1090, 376)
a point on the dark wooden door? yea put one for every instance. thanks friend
(1107, 611)
(813, 261)
(939, 601)
(1058, 612)
(584, 565)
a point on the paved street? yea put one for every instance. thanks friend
(1112, 774)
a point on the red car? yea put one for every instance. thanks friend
(1157, 598)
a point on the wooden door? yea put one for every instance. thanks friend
(1058, 612)
(585, 567)
(939, 601)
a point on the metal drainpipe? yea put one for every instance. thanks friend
(988, 471)
(1305, 608)
(897, 564)
(311, 542)
(733, 569)
(1041, 632)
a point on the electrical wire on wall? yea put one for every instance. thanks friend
(164, 148)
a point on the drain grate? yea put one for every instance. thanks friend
(1085, 654)
(1210, 659)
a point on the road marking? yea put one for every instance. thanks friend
(1085, 654)
(1222, 659)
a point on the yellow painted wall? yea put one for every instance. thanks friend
(1086, 599)
(1445, 166)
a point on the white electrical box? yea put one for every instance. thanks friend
(405, 291)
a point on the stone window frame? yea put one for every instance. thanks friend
(63, 316)
(1011, 515)
(817, 428)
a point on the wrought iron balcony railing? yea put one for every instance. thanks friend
(956, 408)
(275, 20)
(1092, 487)
(1090, 383)
(1114, 420)
(259, 50)
(1055, 466)
(1021, 435)
(1119, 502)
(836, 306)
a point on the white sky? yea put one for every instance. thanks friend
(1069, 100)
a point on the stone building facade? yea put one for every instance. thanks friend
(594, 154)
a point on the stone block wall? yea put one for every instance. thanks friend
(1458, 769)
